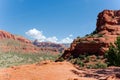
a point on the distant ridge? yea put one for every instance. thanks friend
(49, 45)
(14, 43)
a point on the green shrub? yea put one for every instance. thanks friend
(97, 66)
(100, 35)
(91, 34)
(61, 59)
(79, 62)
(100, 65)
(113, 54)
(78, 37)
(89, 61)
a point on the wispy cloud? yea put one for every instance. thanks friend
(37, 34)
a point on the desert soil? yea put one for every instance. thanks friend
(48, 70)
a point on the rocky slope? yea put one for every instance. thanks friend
(53, 46)
(13, 43)
(108, 28)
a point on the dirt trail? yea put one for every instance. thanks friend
(42, 71)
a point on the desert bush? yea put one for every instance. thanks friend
(100, 65)
(60, 59)
(113, 54)
(78, 37)
(97, 66)
(91, 34)
(100, 35)
(89, 61)
(78, 62)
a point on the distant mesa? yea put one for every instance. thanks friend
(106, 32)
(49, 45)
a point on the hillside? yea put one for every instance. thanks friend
(12, 43)
(17, 50)
(19, 44)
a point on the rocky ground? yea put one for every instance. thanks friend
(48, 70)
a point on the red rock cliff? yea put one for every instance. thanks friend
(7, 35)
(108, 28)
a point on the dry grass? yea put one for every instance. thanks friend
(13, 59)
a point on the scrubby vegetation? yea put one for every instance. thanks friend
(13, 59)
(111, 58)
(113, 54)
(89, 61)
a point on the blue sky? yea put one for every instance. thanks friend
(53, 20)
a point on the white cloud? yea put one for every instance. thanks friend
(36, 34)
(66, 40)
(52, 39)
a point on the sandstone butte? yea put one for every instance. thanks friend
(98, 42)
(15, 43)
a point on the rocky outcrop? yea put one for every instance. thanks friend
(98, 42)
(4, 34)
(51, 46)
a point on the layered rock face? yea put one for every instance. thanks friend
(98, 42)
